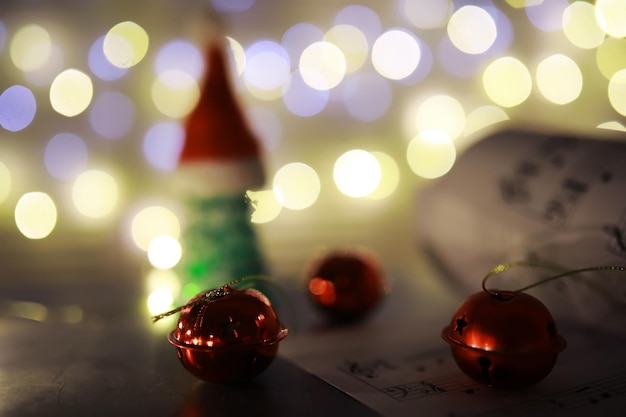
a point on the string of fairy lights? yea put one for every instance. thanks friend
(353, 67)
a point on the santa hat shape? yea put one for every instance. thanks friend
(220, 153)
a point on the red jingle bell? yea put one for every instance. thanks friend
(346, 284)
(227, 335)
(504, 339)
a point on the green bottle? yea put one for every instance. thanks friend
(219, 162)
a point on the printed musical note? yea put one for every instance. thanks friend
(412, 376)
(619, 240)
(367, 369)
(551, 181)
(606, 177)
(555, 212)
(423, 388)
(571, 191)
(556, 150)
(574, 189)
(617, 237)
(412, 390)
(526, 168)
(514, 190)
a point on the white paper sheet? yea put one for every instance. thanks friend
(515, 195)
(413, 377)
(519, 195)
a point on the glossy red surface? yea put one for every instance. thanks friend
(228, 339)
(346, 284)
(508, 340)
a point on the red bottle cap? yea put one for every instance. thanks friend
(220, 149)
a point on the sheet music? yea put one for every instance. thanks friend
(515, 195)
(524, 195)
(408, 377)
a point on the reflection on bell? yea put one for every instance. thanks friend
(346, 284)
(228, 338)
(504, 340)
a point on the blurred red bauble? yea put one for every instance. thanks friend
(228, 338)
(504, 340)
(346, 284)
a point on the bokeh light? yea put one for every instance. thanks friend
(520, 4)
(189, 290)
(162, 144)
(95, 194)
(28, 310)
(390, 176)
(357, 173)
(504, 27)
(431, 154)
(100, 66)
(559, 79)
(71, 314)
(456, 62)
(125, 44)
(426, 14)
(464, 65)
(423, 67)
(5, 182)
(296, 186)
(482, 117)
(361, 17)
(164, 252)
(367, 96)
(265, 206)
(507, 82)
(352, 43)
(71, 92)
(322, 65)
(112, 115)
(30, 47)
(43, 75)
(612, 125)
(180, 55)
(237, 55)
(472, 30)
(617, 92)
(175, 93)
(298, 37)
(65, 156)
(35, 215)
(442, 113)
(162, 278)
(302, 99)
(151, 222)
(396, 54)
(612, 16)
(17, 108)
(581, 27)
(611, 56)
(547, 15)
(313, 71)
(160, 300)
(267, 69)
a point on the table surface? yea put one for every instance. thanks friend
(113, 362)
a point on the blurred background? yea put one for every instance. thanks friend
(358, 105)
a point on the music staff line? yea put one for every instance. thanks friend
(420, 388)
(585, 395)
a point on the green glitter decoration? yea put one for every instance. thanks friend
(220, 244)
